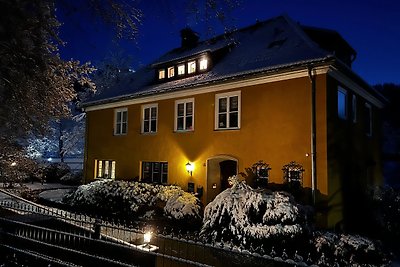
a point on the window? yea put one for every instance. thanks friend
(161, 74)
(368, 119)
(227, 110)
(121, 121)
(342, 103)
(181, 69)
(105, 169)
(354, 108)
(149, 118)
(203, 64)
(293, 173)
(155, 172)
(171, 72)
(184, 115)
(192, 67)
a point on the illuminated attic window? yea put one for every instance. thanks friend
(171, 72)
(191, 67)
(161, 74)
(181, 69)
(203, 64)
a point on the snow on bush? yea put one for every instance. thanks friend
(346, 250)
(120, 196)
(241, 214)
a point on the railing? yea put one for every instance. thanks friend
(173, 249)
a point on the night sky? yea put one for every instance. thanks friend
(371, 27)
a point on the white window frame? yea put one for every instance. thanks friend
(180, 68)
(354, 108)
(368, 108)
(119, 127)
(190, 71)
(149, 106)
(203, 64)
(161, 74)
(103, 166)
(216, 113)
(171, 72)
(183, 101)
(343, 91)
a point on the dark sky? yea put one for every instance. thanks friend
(371, 27)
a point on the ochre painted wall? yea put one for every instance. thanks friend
(275, 127)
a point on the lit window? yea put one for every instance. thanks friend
(171, 72)
(203, 64)
(227, 110)
(105, 169)
(342, 103)
(368, 119)
(192, 67)
(161, 74)
(155, 172)
(181, 69)
(354, 108)
(149, 118)
(121, 121)
(184, 115)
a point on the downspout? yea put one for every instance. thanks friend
(311, 76)
(85, 152)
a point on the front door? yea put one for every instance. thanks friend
(227, 168)
(219, 169)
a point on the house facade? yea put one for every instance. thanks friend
(274, 91)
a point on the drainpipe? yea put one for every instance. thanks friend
(311, 76)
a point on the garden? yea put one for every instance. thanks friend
(255, 219)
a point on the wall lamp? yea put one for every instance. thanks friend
(189, 168)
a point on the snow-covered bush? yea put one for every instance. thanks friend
(243, 216)
(346, 250)
(135, 198)
(72, 178)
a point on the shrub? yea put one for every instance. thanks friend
(55, 171)
(243, 216)
(135, 198)
(72, 178)
(346, 250)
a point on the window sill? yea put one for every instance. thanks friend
(226, 129)
(124, 134)
(151, 133)
(183, 131)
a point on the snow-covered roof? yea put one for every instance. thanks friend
(275, 44)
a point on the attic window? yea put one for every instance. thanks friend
(181, 69)
(191, 67)
(203, 64)
(171, 72)
(161, 74)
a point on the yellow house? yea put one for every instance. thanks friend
(274, 91)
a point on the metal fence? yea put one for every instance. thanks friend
(76, 233)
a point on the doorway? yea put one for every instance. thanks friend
(219, 169)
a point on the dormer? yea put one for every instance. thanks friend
(184, 67)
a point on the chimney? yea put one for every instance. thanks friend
(189, 38)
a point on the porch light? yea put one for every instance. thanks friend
(147, 238)
(189, 168)
(13, 164)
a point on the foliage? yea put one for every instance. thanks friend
(55, 171)
(346, 250)
(72, 178)
(135, 198)
(243, 216)
(385, 204)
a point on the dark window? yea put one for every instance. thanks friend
(293, 173)
(121, 121)
(342, 103)
(228, 111)
(155, 172)
(149, 119)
